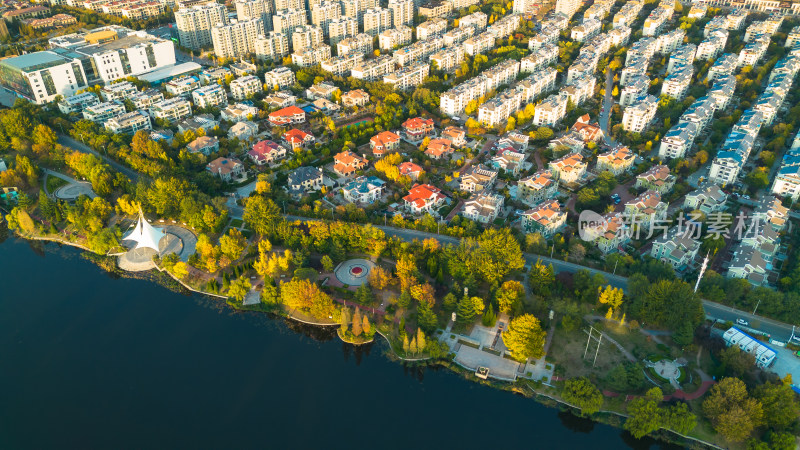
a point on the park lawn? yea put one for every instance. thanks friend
(54, 183)
(567, 352)
(632, 340)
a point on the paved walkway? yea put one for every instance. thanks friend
(70, 191)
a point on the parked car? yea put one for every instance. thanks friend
(742, 322)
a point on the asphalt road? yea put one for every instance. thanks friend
(776, 330)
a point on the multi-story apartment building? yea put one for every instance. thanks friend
(476, 20)
(409, 76)
(456, 99)
(237, 38)
(431, 27)
(195, 23)
(342, 65)
(634, 87)
(244, 87)
(481, 43)
(585, 31)
(282, 77)
(312, 56)
(637, 116)
(373, 69)
(402, 12)
(417, 51)
(146, 98)
(567, 7)
(356, 8)
(101, 112)
(627, 14)
(449, 59)
(539, 58)
(537, 188)
(678, 140)
(676, 84)
(271, 46)
(306, 36)
(376, 21)
(172, 109)
(255, 9)
(395, 37)
(324, 12)
(77, 103)
(182, 86)
(360, 43)
(550, 111)
(118, 91)
(286, 20)
(712, 46)
(128, 123)
(210, 96)
(435, 8)
(341, 28)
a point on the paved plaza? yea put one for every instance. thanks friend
(669, 370)
(354, 272)
(176, 240)
(72, 191)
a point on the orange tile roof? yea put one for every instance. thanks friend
(295, 136)
(384, 138)
(417, 122)
(422, 194)
(407, 168)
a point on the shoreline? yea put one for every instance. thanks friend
(540, 397)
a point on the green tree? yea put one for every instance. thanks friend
(239, 289)
(541, 278)
(327, 263)
(735, 362)
(426, 318)
(509, 296)
(468, 309)
(731, 410)
(233, 244)
(584, 395)
(364, 295)
(644, 416)
(261, 214)
(780, 405)
(306, 296)
(180, 270)
(525, 338)
(679, 418)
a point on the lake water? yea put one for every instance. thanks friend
(94, 361)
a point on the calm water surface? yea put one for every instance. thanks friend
(92, 361)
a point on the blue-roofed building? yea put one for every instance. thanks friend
(364, 190)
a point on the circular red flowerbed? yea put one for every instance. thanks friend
(356, 270)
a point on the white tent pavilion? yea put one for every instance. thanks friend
(144, 234)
